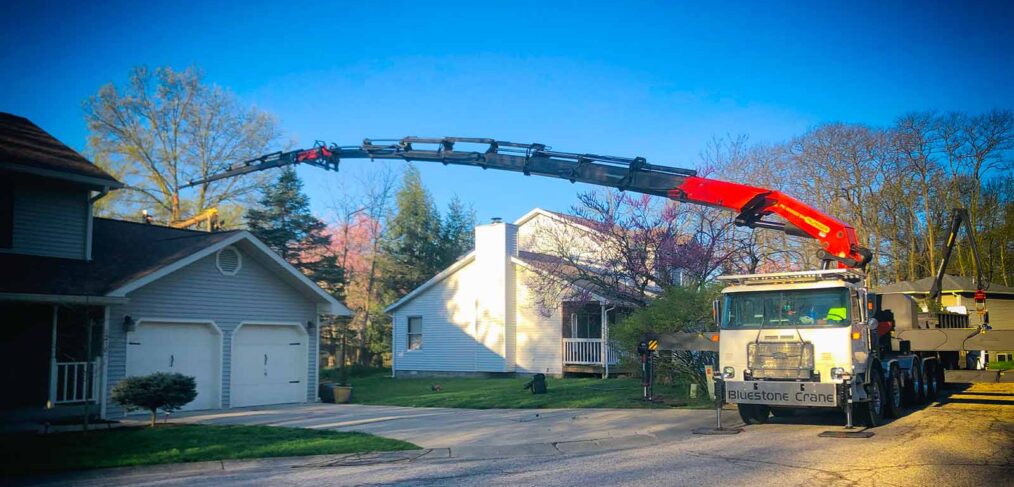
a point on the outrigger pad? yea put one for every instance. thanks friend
(717, 431)
(847, 434)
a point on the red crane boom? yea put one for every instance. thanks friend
(837, 239)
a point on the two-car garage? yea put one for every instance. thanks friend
(267, 362)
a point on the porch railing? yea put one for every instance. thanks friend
(69, 381)
(586, 351)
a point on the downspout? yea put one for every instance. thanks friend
(394, 345)
(605, 339)
(88, 231)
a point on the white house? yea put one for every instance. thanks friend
(478, 315)
(85, 301)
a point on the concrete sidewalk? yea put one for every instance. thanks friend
(445, 428)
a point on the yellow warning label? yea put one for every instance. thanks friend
(809, 220)
(652, 344)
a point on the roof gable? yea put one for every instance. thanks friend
(444, 274)
(127, 256)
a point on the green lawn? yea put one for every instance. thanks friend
(1007, 365)
(36, 453)
(377, 387)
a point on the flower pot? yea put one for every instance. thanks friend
(342, 394)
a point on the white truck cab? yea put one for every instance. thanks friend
(808, 340)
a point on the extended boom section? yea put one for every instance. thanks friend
(752, 204)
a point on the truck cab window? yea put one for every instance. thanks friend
(788, 309)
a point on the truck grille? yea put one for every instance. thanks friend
(780, 360)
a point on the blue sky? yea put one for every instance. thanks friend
(649, 79)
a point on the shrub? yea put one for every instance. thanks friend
(679, 309)
(161, 390)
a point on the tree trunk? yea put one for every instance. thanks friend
(154, 416)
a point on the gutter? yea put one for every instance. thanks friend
(102, 194)
(62, 298)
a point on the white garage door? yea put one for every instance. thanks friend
(269, 365)
(192, 349)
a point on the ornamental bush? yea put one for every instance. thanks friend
(161, 390)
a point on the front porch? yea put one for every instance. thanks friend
(51, 357)
(586, 338)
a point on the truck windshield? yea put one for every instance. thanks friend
(787, 309)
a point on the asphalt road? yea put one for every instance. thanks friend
(965, 439)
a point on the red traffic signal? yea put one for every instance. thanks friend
(980, 296)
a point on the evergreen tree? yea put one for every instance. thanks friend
(457, 232)
(284, 222)
(412, 250)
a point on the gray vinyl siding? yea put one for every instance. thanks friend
(50, 220)
(449, 342)
(200, 292)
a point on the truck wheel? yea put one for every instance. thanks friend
(914, 393)
(871, 412)
(783, 412)
(932, 381)
(892, 396)
(754, 413)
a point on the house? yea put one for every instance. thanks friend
(86, 301)
(957, 294)
(478, 316)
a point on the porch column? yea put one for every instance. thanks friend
(52, 362)
(603, 341)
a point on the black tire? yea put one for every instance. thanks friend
(871, 412)
(914, 392)
(754, 413)
(892, 398)
(932, 381)
(783, 412)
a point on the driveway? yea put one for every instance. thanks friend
(446, 428)
(965, 439)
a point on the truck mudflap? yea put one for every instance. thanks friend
(799, 394)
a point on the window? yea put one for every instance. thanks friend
(585, 321)
(787, 309)
(414, 332)
(229, 261)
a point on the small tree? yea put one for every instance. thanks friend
(161, 390)
(680, 309)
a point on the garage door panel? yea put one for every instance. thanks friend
(269, 365)
(191, 349)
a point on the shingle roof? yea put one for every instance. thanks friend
(25, 146)
(121, 252)
(950, 283)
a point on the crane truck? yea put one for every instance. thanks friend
(786, 340)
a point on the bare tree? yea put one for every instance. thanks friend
(359, 210)
(166, 127)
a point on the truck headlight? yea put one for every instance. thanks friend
(728, 372)
(839, 373)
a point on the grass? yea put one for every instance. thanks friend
(38, 453)
(1007, 365)
(377, 387)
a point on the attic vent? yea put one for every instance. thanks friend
(229, 261)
